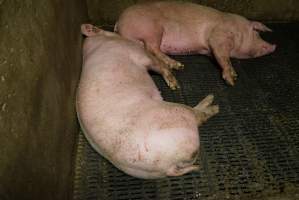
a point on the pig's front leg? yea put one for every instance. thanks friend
(154, 48)
(222, 43)
(161, 68)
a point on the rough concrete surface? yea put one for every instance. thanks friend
(40, 60)
(106, 12)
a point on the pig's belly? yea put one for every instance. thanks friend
(183, 44)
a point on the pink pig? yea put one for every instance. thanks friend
(123, 115)
(179, 28)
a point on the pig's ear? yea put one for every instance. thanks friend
(258, 26)
(89, 30)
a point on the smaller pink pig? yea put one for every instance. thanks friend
(123, 115)
(179, 28)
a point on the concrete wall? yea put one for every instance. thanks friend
(106, 12)
(40, 60)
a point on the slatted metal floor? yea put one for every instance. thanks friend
(250, 150)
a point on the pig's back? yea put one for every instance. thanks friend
(180, 11)
(111, 94)
(186, 26)
(185, 10)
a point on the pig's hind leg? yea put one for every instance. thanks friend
(221, 43)
(204, 109)
(148, 31)
(159, 67)
(154, 48)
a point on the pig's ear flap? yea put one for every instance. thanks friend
(258, 26)
(89, 30)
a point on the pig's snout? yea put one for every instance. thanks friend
(269, 48)
(273, 48)
(265, 49)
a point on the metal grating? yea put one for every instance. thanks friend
(250, 150)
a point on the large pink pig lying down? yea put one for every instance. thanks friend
(186, 28)
(122, 112)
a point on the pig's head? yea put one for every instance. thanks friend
(176, 149)
(90, 30)
(253, 45)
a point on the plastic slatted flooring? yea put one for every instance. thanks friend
(250, 150)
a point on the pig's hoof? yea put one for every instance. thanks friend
(206, 106)
(230, 76)
(172, 83)
(205, 102)
(170, 80)
(204, 109)
(176, 65)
